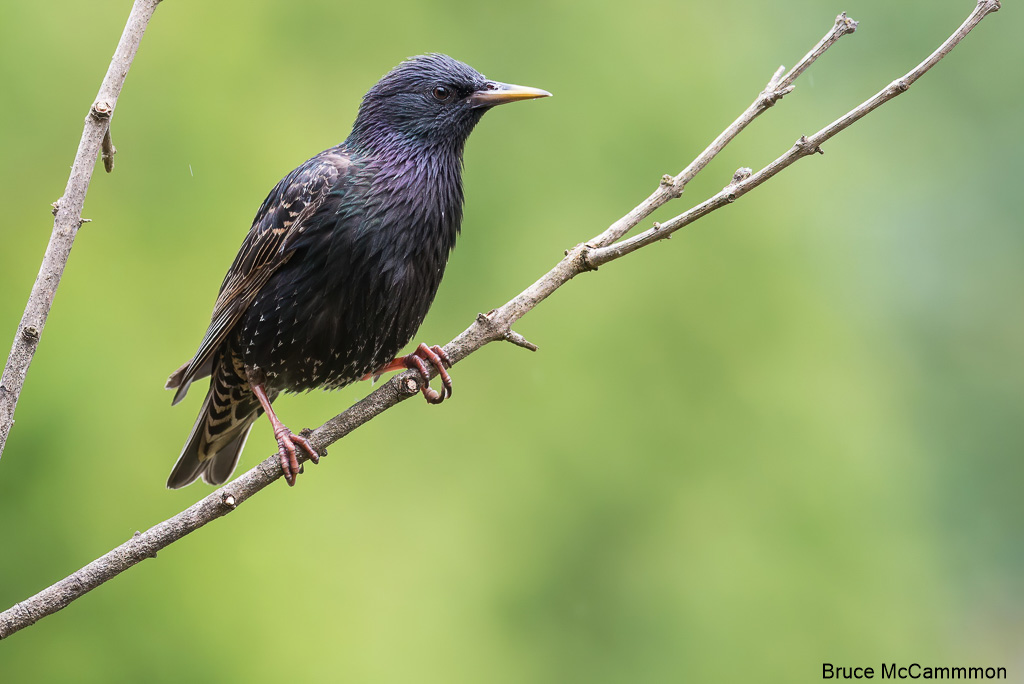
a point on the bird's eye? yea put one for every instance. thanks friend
(442, 93)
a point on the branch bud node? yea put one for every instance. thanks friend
(805, 147)
(101, 110)
(990, 5)
(845, 25)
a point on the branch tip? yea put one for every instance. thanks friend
(845, 25)
(840, 28)
(520, 341)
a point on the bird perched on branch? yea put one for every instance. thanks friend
(340, 265)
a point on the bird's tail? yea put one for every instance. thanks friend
(219, 433)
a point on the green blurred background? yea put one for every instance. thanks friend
(791, 435)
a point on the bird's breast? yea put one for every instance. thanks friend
(359, 284)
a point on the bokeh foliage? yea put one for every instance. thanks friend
(790, 435)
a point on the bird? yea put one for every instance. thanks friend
(341, 263)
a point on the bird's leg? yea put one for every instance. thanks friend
(286, 439)
(417, 361)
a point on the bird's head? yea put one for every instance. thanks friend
(431, 100)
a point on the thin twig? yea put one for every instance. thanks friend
(486, 328)
(778, 87)
(69, 214)
(842, 26)
(520, 341)
(804, 147)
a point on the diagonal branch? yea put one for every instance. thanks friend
(68, 213)
(491, 327)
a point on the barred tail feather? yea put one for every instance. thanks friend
(219, 433)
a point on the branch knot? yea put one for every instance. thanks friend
(582, 257)
(492, 330)
(101, 110)
(769, 98)
(806, 147)
(742, 174)
(410, 386)
(669, 183)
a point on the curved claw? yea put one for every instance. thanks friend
(436, 357)
(286, 439)
(288, 453)
(442, 368)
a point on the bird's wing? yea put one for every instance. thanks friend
(280, 221)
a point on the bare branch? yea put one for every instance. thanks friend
(804, 147)
(491, 327)
(68, 212)
(842, 26)
(778, 87)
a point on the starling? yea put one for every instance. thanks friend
(340, 265)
